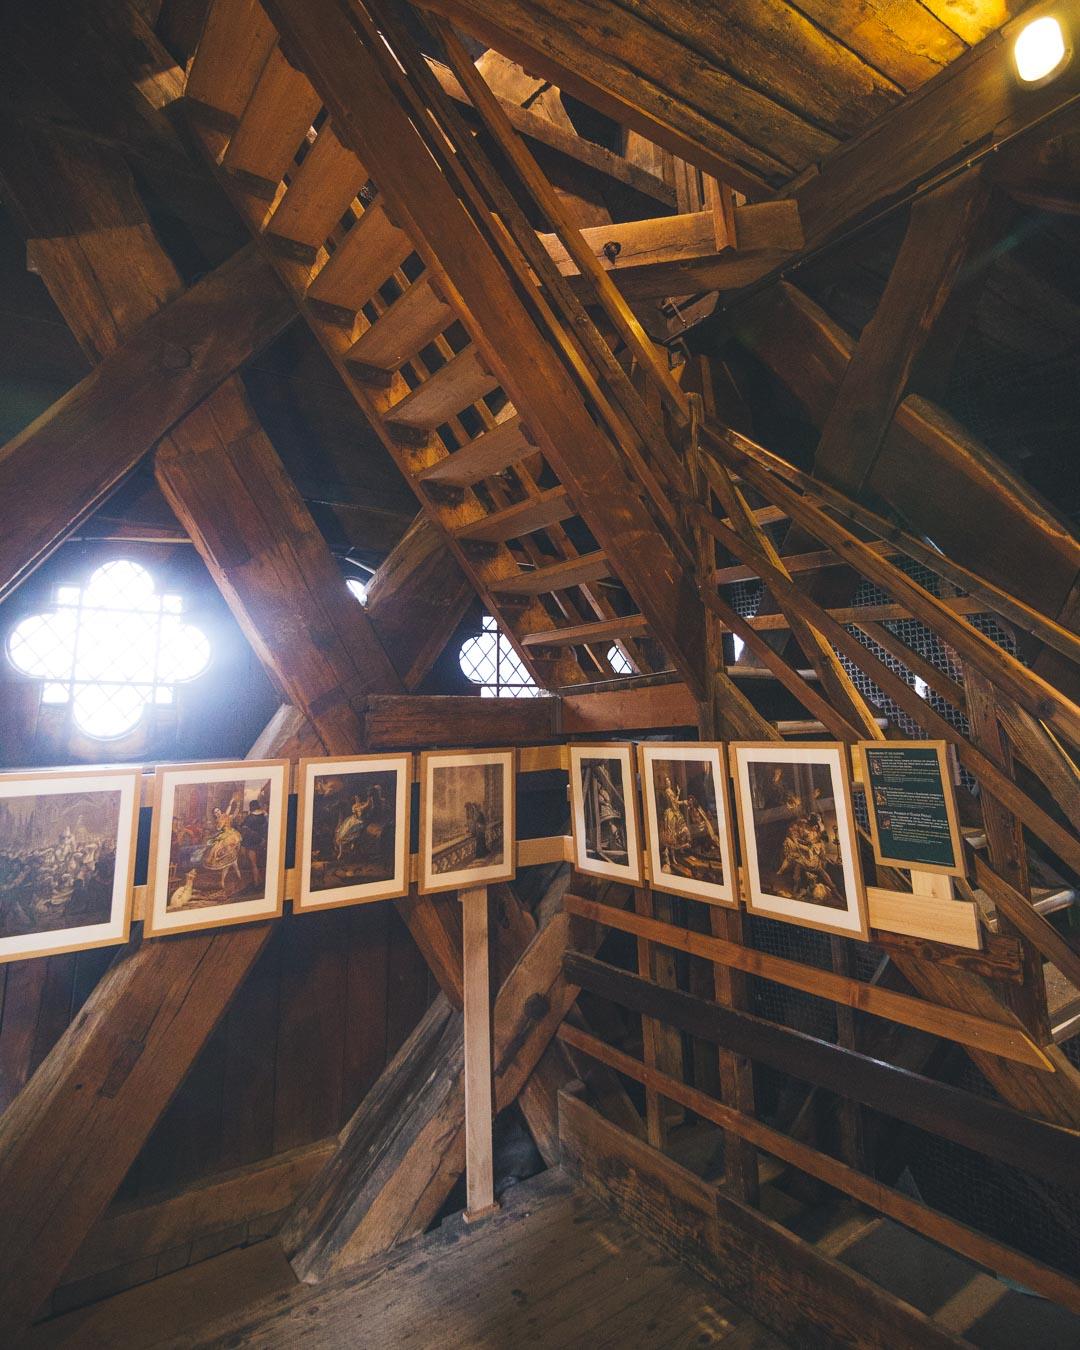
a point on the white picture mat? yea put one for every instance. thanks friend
(469, 876)
(624, 754)
(780, 905)
(401, 765)
(128, 785)
(255, 908)
(712, 755)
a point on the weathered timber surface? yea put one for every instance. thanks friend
(555, 1267)
(803, 1295)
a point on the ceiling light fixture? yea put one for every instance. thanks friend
(1041, 51)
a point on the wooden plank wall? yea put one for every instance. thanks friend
(329, 1001)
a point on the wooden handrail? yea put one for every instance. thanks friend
(1060, 840)
(1000, 1038)
(1030, 690)
(1016, 611)
(969, 1242)
(1050, 1152)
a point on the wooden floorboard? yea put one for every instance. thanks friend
(551, 1269)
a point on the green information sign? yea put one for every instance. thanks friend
(912, 810)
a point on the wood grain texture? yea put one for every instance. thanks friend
(806, 1297)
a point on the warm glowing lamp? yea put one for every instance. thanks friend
(1040, 50)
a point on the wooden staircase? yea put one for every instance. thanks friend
(413, 356)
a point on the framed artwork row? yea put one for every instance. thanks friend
(796, 825)
(218, 842)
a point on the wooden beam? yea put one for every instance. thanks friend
(133, 1231)
(1048, 1151)
(935, 248)
(645, 79)
(942, 483)
(974, 105)
(61, 467)
(416, 601)
(920, 1218)
(808, 1298)
(405, 1147)
(1003, 1038)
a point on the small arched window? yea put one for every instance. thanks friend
(110, 648)
(490, 661)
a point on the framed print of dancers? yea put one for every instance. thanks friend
(798, 835)
(352, 837)
(603, 809)
(687, 821)
(217, 850)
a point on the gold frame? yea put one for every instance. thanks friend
(506, 871)
(633, 874)
(306, 901)
(958, 869)
(779, 907)
(126, 826)
(711, 753)
(274, 897)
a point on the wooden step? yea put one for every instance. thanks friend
(453, 387)
(605, 630)
(514, 521)
(369, 254)
(235, 43)
(489, 454)
(412, 321)
(318, 195)
(558, 577)
(277, 118)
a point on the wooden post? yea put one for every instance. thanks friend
(479, 1163)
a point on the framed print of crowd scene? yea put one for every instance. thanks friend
(798, 835)
(217, 851)
(352, 838)
(603, 812)
(687, 822)
(467, 827)
(67, 860)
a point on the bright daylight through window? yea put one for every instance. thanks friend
(110, 648)
(490, 661)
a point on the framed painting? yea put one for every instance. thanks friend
(67, 860)
(687, 821)
(603, 812)
(352, 835)
(467, 822)
(217, 850)
(912, 806)
(798, 836)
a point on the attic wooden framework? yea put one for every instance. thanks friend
(596, 486)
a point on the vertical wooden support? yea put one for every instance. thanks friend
(729, 986)
(479, 1097)
(661, 1044)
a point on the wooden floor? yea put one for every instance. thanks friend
(552, 1269)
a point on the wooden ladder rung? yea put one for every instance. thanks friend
(514, 521)
(453, 387)
(277, 118)
(489, 454)
(237, 39)
(604, 630)
(412, 321)
(558, 577)
(318, 195)
(369, 254)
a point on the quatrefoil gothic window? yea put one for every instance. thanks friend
(110, 648)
